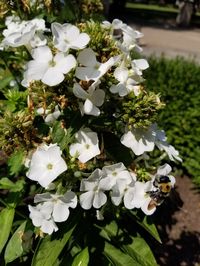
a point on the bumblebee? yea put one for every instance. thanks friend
(162, 190)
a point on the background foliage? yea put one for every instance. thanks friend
(178, 81)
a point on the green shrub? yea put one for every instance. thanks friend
(178, 81)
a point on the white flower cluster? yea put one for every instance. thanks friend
(50, 64)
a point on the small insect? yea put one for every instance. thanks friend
(162, 190)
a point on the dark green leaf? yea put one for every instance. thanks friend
(118, 151)
(6, 220)
(60, 135)
(14, 248)
(82, 258)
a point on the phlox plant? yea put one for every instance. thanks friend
(77, 137)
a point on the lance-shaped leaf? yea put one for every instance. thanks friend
(147, 224)
(6, 220)
(140, 252)
(82, 258)
(14, 248)
(117, 257)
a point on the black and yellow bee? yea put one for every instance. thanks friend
(162, 190)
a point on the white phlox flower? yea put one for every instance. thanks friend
(68, 36)
(46, 164)
(116, 178)
(113, 173)
(48, 68)
(115, 25)
(139, 140)
(41, 217)
(138, 65)
(49, 117)
(93, 98)
(38, 40)
(51, 208)
(91, 69)
(126, 83)
(87, 145)
(60, 204)
(123, 189)
(20, 33)
(162, 144)
(94, 195)
(130, 39)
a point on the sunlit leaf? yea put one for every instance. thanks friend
(5, 81)
(82, 258)
(6, 183)
(14, 248)
(150, 227)
(6, 220)
(117, 257)
(147, 224)
(109, 230)
(140, 252)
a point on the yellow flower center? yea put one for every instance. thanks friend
(49, 166)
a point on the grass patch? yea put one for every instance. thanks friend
(152, 7)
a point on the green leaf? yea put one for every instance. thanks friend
(51, 246)
(60, 135)
(109, 230)
(147, 224)
(6, 220)
(15, 162)
(117, 257)
(14, 248)
(140, 252)
(82, 258)
(5, 81)
(6, 183)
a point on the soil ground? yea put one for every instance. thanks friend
(179, 219)
(179, 227)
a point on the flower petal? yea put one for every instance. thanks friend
(60, 211)
(52, 77)
(80, 92)
(87, 58)
(86, 200)
(99, 199)
(90, 109)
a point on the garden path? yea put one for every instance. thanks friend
(170, 41)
